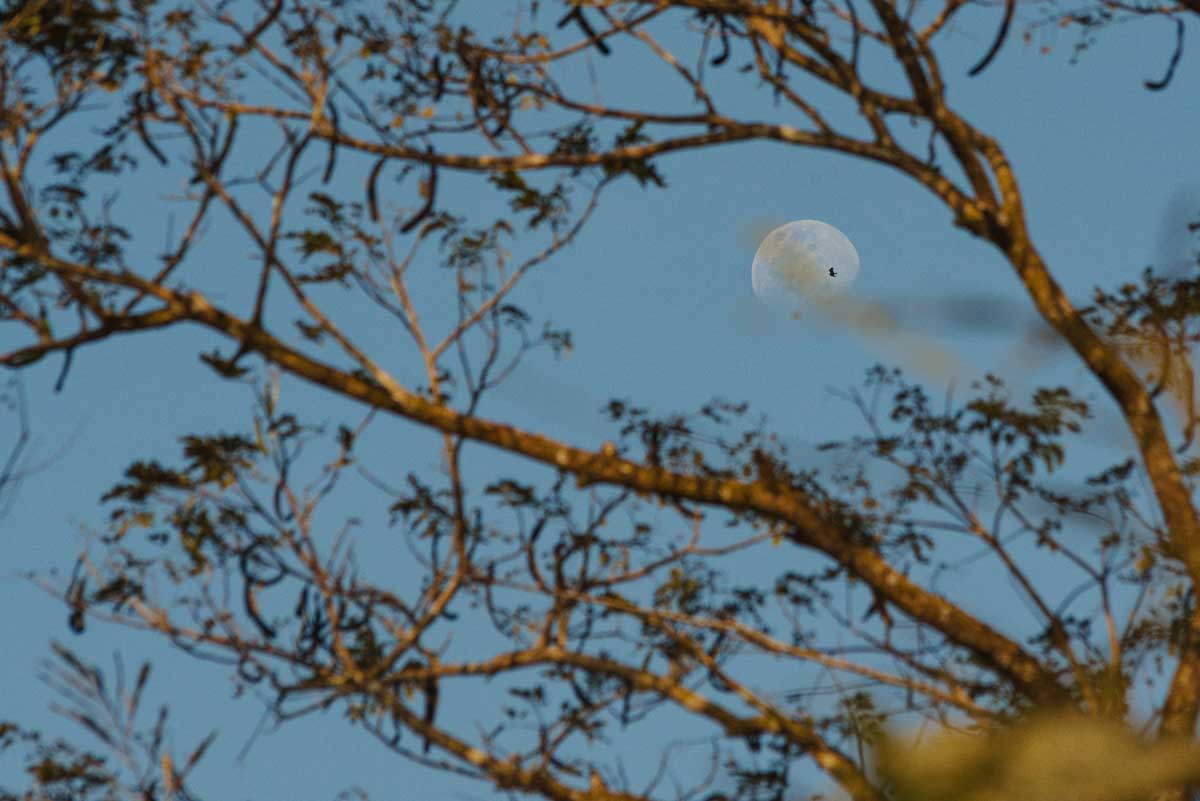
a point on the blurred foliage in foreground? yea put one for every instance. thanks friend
(1048, 758)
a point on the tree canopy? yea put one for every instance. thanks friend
(347, 146)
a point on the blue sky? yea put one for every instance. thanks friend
(657, 294)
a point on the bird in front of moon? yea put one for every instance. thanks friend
(806, 261)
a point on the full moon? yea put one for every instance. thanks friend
(805, 260)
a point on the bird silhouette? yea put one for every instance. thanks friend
(832, 273)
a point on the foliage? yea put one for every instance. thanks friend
(1040, 760)
(611, 593)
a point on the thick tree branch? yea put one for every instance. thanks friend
(811, 529)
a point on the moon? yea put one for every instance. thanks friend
(803, 261)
